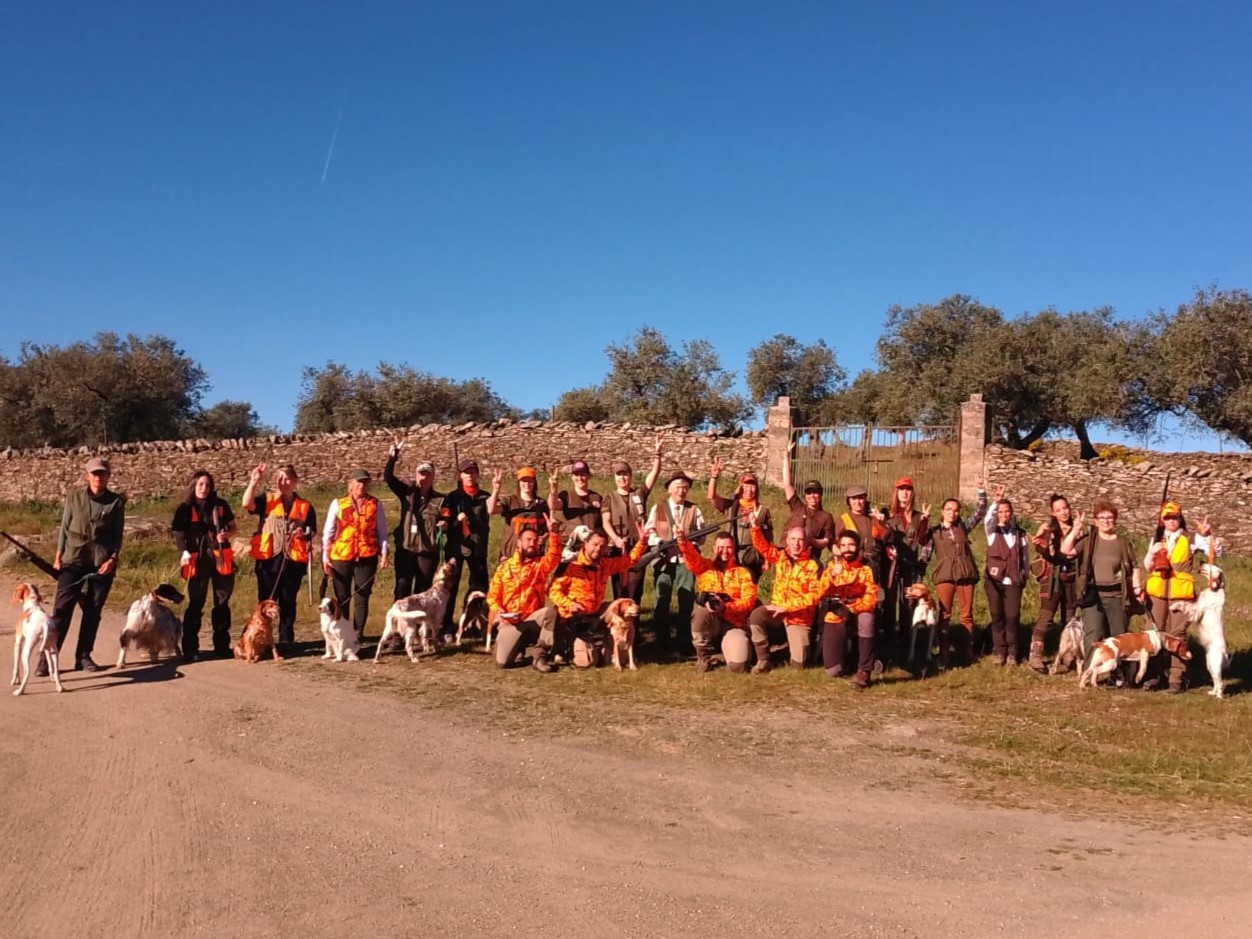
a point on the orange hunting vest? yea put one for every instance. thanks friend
(297, 540)
(358, 531)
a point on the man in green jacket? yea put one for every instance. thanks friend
(88, 545)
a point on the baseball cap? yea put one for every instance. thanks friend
(621, 466)
(749, 478)
(904, 482)
(426, 467)
(468, 466)
(1171, 508)
(580, 466)
(856, 491)
(813, 486)
(527, 472)
(360, 475)
(97, 464)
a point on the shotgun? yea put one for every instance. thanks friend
(26, 554)
(665, 547)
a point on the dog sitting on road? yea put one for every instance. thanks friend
(622, 615)
(1071, 652)
(151, 626)
(419, 616)
(1109, 653)
(474, 617)
(342, 642)
(1206, 612)
(258, 634)
(35, 636)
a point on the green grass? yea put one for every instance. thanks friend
(1007, 735)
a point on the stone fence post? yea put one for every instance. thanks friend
(777, 440)
(974, 432)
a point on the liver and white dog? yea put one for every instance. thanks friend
(925, 616)
(152, 626)
(342, 642)
(1109, 653)
(474, 617)
(1205, 612)
(418, 616)
(35, 635)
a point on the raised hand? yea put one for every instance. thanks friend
(999, 494)
(716, 469)
(1204, 528)
(395, 449)
(925, 510)
(658, 447)
(258, 471)
(497, 477)
(553, 482)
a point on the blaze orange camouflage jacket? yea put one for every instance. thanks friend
(735, 580)
(852, 585)
(581, 588)
(520, 585)
(797, 584)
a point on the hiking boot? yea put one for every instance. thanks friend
(41, 670)
(1010, 661)
(541, 663)
(875, 673)
(999, 660)
(1036, 658)
(703, 662)
(1174, 689)
(761, 667)
(861, 680)
(798, 666)
(85, 664)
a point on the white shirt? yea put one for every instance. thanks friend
(696, 521)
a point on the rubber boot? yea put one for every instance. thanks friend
(762, 658)
(1036, 658)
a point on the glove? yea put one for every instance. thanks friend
(186, 558)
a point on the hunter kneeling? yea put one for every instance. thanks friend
(517, 599)
(849, 595)
(578, 595)
(794, 596)
(725, 595)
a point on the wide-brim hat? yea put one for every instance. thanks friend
(855, 492)
(677, 475)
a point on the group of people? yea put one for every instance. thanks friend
(559, 555)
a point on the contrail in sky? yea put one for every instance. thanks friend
(331, 152)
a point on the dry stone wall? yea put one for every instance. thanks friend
(164, 467)
(1216, 485)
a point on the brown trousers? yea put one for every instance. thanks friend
(1172, 624)
(964, 631)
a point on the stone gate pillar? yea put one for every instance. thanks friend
(974, 433)
(777, 438)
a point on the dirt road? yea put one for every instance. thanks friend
(225, 800)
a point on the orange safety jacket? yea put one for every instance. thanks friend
(520, 585)
(358, 530)
(1178, 583)
(733, 580)
(581, 588)
(853, 586)
(297, 537)
(220, 548)
(797, 583)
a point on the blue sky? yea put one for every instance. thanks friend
(513, 185)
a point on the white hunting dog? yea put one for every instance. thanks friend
(342, 642)
(1205, 611)
(35, 635)
(152, 626)
(420, 615)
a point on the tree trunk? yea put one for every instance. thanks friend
(1018, 442)
(1085, 450)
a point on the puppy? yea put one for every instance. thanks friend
(621, 616)
(1071, 652)
(1206, 612)
(474, 617)
(1108, 654)
(152, 626)
(35, 635)
(418, 616)
(258, 634)
(342, 642)
(925, 616)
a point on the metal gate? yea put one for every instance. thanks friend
(876, 457)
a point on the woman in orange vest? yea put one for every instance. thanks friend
(354, 547)
(281, 545)
(202, 526)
